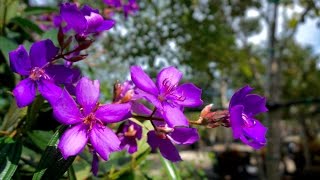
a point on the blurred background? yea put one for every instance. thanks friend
(219, 45)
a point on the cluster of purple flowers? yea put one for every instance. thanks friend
(127, 6)
(88, 119)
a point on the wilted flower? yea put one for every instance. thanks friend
(129, 132)
(88, 120)
(84, 21)
(243, 107)
(166, 95)
(39, 71)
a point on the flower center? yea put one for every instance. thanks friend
(37, 73)
(169, 90)
(248, 122)
(91, 120)
(131, 132)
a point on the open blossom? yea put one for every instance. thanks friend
(164, 140)
(166, 95)
(87, 120)
(37, 67)
(84, 21)
(164, 137)
(129, 132)
(243, 107)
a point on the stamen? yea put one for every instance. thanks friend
(37, 73)
(248, 122)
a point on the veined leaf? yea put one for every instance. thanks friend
(13, 117)
(9, 157)
(27, 25)
(52, 165)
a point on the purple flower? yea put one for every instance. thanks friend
(166, 95)
(164, 136)
(130, 7)
(87, 120)
(128, 133)
(84, 21)
(164, 141)
(39, 71)
(123, 92)
(243, 107)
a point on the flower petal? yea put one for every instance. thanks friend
(104, 141)
(25, 92)
(106, 25)
(169, 151)
(236, 120)
(149, 97)
(184, 135)
(191, 95)
(65, 109)
(87, 10)
(87, 93)
(153, 140)
(174, 116)
(255, 136)
(73, 141)
(239, 96)
(62, 74)
(169, 76)
(73, 17)
(42, 52)
(111, 113)
(254, 104)
(95, 164)
(49, 90)
(19, 61)
(94, 20)
(142, 80)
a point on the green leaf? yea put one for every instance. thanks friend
(71, 173)
(52, 35)
(6, 45)
(39, 10)
(8, 10)
(27, 25)
(9, 157)
(52, 165)
(40, 138)
(171, 169)
(13, 117)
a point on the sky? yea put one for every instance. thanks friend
(307, 34)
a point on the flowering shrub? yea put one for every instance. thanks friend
(107, 128)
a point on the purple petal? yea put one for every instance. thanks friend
(87, 10)
(87, 93)
(93, 21)
(95, 164)
(254, 104)
(149, 97)
(42, 52)
(73, 17)
(153, 140)
(49, 90)
(174, 116)
(191, 95)
(19, 61)
(104, 141)
(130, 144)
(106, 25)
(184, 135)
(239, 96)
(73, 141)
(169, 76)
(142, 80)
(236, 120)
(65, 109)
(167, 149)
(140, 109)
(25, 92)
(62, 74)
(255, 136)
(112, 113)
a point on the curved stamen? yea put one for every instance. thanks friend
(248, 122)
(37, 73)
